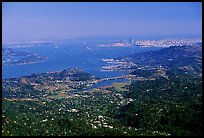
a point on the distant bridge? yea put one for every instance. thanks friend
(113, 78)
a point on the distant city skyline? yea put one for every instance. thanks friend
(66, 20)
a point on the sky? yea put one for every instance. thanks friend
(67, 20)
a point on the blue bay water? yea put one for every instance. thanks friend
(69, 55)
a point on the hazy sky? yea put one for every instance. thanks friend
(37, 20)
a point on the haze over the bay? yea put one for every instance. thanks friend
(33, 20)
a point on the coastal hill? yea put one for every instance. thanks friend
(46, 84)
(188, 58)
(11, 56)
